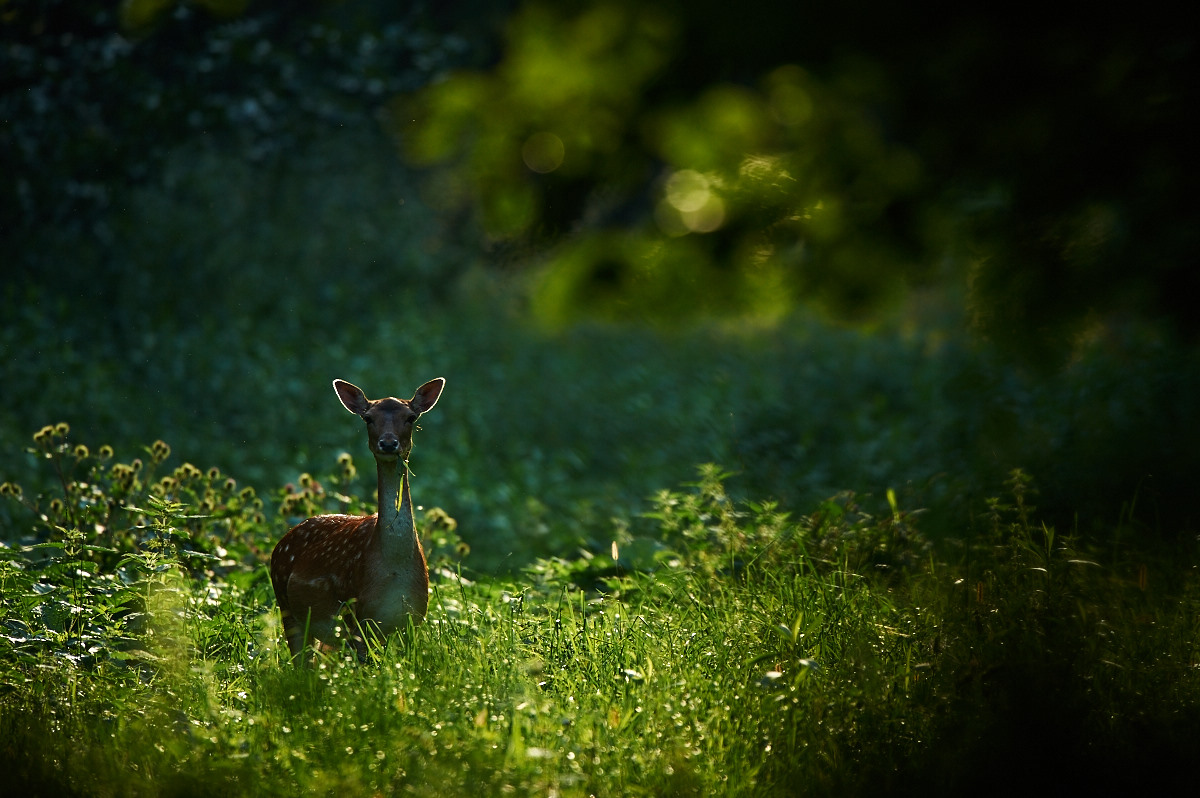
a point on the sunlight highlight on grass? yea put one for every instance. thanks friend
(720, 648)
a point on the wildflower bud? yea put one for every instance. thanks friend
(123, 478)
(438, 517)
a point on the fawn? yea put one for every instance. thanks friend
(370, 568)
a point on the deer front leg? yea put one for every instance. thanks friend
(315, 612)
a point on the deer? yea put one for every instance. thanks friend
(368, 569)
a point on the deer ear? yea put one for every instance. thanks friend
(352, 397)
(427, 395)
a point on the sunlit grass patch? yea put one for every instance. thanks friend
(714, 647)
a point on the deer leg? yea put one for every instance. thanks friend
(317, 612)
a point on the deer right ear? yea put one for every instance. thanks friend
(352, 397)
(427, 395)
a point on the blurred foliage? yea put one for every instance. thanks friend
(679, 161)
(667, 160)
(206, 220)
(762, 195)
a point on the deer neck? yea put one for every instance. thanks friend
(397, 527)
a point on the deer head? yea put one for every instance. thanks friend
(390, 421)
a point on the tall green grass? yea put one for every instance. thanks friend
(715, 647)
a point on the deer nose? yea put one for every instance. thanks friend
(389, 444)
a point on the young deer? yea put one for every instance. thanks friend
(369, 566)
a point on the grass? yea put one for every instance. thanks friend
(605, 621)
(717, 647)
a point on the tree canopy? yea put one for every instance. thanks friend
(703, 160)
(662, 160)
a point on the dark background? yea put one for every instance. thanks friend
(976, 251)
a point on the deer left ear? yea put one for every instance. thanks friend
(427, 395)
(352, 397)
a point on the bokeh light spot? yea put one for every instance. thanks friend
(707, 218)
(543, 152)
(697, 208)
(688, 190)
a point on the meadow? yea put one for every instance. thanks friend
(700, 639)
(733, 649)
(782, 557)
